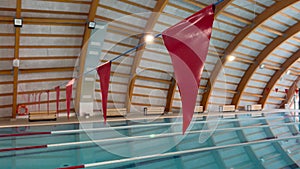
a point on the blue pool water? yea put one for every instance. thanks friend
(151, 139)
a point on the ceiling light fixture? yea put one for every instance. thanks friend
(262, 66)
(18, 22)
(149, 38)
(231, 58)
(91, 25)
(16, 63)
(288, 72)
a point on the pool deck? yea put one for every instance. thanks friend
(4, 123)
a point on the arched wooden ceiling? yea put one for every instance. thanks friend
(150, 24)
(54, 32)
(268, 13)
(260, 59)
(279, 73)
(159, 7)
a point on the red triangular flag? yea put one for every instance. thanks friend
(104, 75)
(286, 90)
(69, 88)
(187, 43)
(57, 89)
(297, 90)
(276, 90)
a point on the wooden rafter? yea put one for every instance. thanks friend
(86, 36)
(136, 4)
(53, 20)
(196, 3)
(6, 18)
(54, 12)
(170, 96)
(279, 73)
(260, 19)
(130, 90)
(261, 58)
(221, 7)
(16, 56)
(159, 7)
(69, 1)
(37, 20)
(42, 70)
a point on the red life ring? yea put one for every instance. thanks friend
(22, 110)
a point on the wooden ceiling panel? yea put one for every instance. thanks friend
(8, 4)
(54, 29)
(259, 20)
(45, 14)
(56, 6)
(289, 62)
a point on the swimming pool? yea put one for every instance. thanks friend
(242, 141)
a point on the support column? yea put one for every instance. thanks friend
(170, 96)
(16, 57)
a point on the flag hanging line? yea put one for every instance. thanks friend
(122, 54)
(115, 58)
(136, 47)
(167, 35)
(217, 3)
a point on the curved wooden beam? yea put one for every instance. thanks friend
(130, 92)
(170, 96)
(290, 93)
(278, 74)
(260, 59)
(82, 58)
(159, 7)
(269, 12)
(157, 10)
(16, 56)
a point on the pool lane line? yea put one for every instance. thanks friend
(73, 167)
(131, 127)
(79, 120)
(134, 138)
(179, 153)
(23, 148)
(24, 134)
